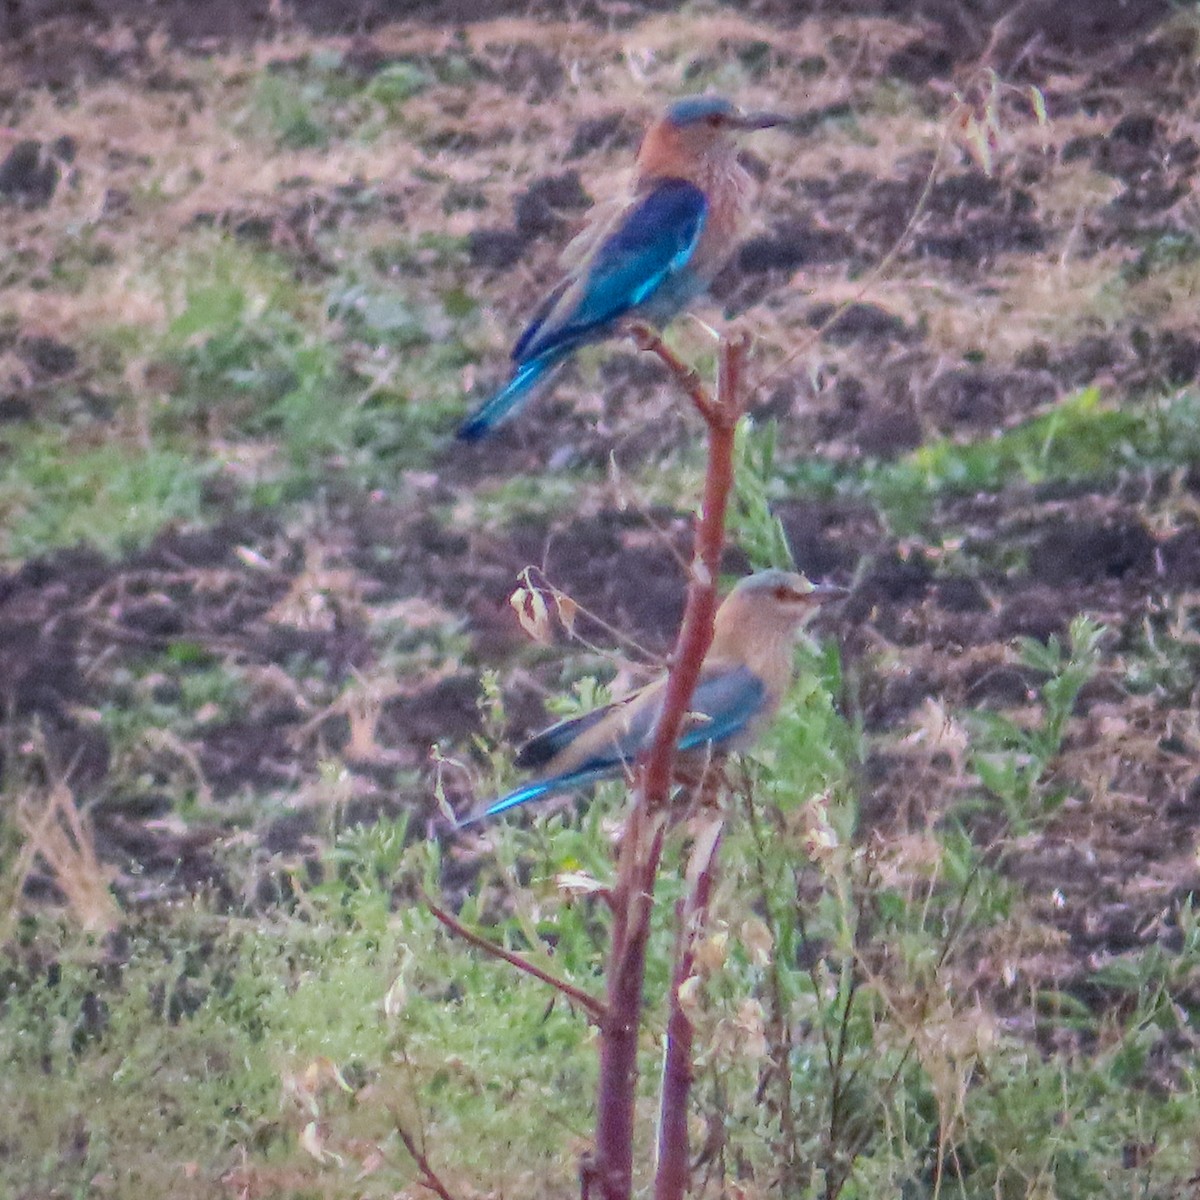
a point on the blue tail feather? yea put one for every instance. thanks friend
(508, 401)
(540, 789)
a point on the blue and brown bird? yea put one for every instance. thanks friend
(745, 674)
(690, 199)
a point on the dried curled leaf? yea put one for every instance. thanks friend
(757, 939)
(530, 606)
(820, 839)
(1038, 101)
(567, 611)
(395, 998)
(688, 995)
(751, 1022)
(711, 952)
(579, 883)
(312, 1141)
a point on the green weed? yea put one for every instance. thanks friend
(1012, 760)
(1165, 658)
(751, 523)
(291, 110)
(1160, 253)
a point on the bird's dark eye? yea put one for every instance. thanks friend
(716, 120)
(784, 594)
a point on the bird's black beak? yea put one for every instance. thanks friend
(822, 593)
(761, 120)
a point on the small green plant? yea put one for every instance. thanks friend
(394, 85)
(751, 522)
(1165, 660)
(290, 108)
(1160, 253)
(1014, 761)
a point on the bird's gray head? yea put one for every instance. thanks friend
(792, 595)
(758, 619)
(715, 113)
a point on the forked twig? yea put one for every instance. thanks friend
(648, 339)
(695, 633)
(593, 1007)
(429, 1177)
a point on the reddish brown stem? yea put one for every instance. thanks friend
(589, 1004)
(674, 1157)
(695, 634)
(429, 1176)
(611, 1168)
(648, 340)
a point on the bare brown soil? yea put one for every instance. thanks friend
(1105, 874)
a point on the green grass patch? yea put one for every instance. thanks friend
(163, 694)
(1082, 438)
(835, 1051)
(307, 103)
(356, 381)
(286, 1047)
(56, 492)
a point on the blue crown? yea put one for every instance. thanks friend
(699, 108)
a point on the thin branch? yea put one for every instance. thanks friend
(647, 339)
(593, 1007)
(839, 1084)
(546, 584)
(429, 1177)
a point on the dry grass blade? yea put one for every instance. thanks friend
(59, 836)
